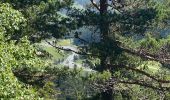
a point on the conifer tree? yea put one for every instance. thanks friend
(119, 21)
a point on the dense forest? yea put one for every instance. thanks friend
(85, 49)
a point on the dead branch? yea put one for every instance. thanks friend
(95, 5)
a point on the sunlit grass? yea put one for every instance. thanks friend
(54, 52)
(65, 42)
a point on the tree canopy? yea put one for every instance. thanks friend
(127, 53)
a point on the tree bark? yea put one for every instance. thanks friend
(104, 31)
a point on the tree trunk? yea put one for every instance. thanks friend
(103, 20)
(104, 31)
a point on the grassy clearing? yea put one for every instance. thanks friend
(65, 42)
(53, 52)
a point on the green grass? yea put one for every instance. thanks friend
(54, 52)
(65, 42)
(51, 50)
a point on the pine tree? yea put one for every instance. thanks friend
(119, 21)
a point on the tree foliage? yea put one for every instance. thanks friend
(129, 43)
(15, 56)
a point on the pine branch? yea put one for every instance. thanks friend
(146, 55)
(139, 71)
(68, 49)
